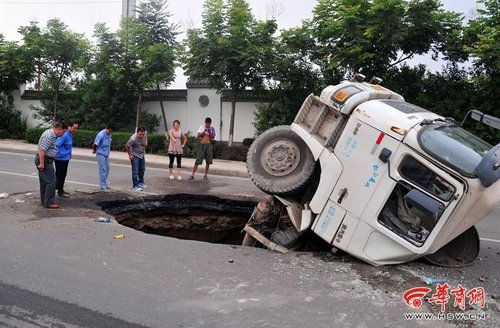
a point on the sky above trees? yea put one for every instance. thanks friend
(81, 16)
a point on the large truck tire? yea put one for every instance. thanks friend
(458, 253)
(279, 162)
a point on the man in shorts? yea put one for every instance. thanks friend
(206, 134)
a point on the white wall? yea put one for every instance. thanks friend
(24, 106)
(197, 113)
(243, 120)
(190, 113)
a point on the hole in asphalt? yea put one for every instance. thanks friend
(203, 218)
(185, 216)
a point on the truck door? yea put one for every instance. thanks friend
(358, 151)
(419, 186)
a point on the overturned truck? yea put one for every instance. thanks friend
(377, 177)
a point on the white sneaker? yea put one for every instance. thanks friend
(143, 185)
(179, 178)
(137, 188)
(172, 177)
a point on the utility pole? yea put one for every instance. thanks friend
(128, 8)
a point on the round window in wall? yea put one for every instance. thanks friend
(203, 101)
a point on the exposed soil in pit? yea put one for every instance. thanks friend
(185, 216)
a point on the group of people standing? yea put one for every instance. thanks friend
(177, 141)
(55, 147)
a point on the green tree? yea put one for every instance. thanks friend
(160, 57)
(483, 44)
(229, 50)
(372, 36)
(346, 36)
(16, 66)
(450, 93)
(110, 85)
(292, 76)
(58, 55)
(134, 38)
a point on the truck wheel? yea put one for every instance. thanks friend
(458, 253)
(279, 162)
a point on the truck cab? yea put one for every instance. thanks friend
(382, 179)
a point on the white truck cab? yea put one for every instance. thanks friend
(382, 179)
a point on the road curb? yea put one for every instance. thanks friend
(187, 162)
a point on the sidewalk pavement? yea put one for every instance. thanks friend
(219, 167)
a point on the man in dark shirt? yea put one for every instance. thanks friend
(64, 149)
(136, 148)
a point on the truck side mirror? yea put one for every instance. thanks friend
(489, 120)
(384, 155)
(488, 170)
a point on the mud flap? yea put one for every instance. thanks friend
(458, 253)
(273, 228)
(300, 217)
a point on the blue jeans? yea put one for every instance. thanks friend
(138, 169)
(103, 164)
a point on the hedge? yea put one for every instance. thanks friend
(157, 144)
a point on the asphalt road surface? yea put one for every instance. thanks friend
(62, 269)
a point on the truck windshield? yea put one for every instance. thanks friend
(454, 147)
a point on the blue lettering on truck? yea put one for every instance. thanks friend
(328, 218)
(349, 146)
(373, 178)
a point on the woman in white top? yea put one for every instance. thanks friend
(177, 141)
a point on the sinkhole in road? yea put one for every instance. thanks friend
(185, 216)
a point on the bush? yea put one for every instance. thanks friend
(33, 134)
(190, 148)
(157, 144)
(248, 141)
(84, 138)
(12, 126)
(234, 153)
(120, 140)
(219, 147)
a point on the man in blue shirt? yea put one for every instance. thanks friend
(44, 161)
(64, 148)
(102, 147)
